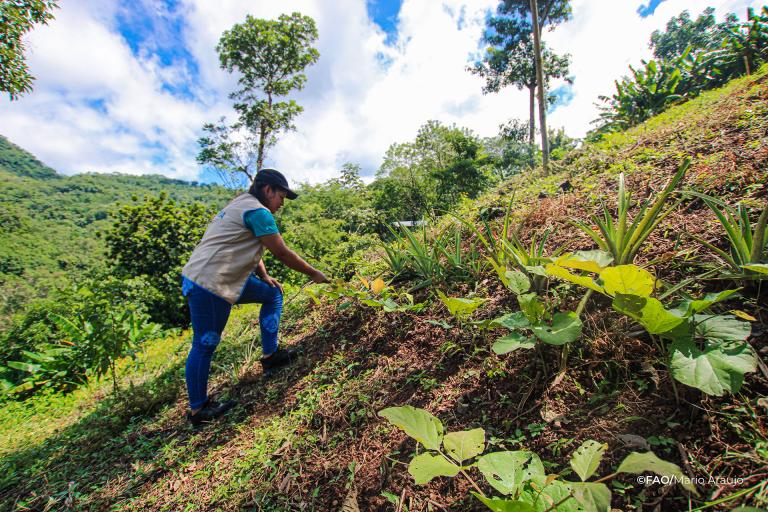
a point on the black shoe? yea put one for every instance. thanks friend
(210, 411)
(279, 359)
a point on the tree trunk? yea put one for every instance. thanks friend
(540, 82)
(532, 126)
(263, 134)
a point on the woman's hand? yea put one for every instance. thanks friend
(271, 281)
(319, 277)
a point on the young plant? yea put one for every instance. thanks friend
(533, 321)
(520, 476)
(708, 352)
(374, 294)
(623, 239)
(459, 307)
(423, 259)
(748, 246)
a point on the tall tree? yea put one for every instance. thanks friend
(511, 58)
(271, 57)
(540, 80)
(16, 19)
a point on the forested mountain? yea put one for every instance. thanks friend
(50, 223)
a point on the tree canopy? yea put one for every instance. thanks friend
(17, 17)
(270, 57)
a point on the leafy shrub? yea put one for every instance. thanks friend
(154, 239)
(64, 341)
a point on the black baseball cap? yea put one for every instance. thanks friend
(275, 178)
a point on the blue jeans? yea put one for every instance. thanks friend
(209, 314)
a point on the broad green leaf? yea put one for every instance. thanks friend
(593, 497)
(518, 282)
(757, 267)
(512, 342)
(649, 312)
(531, 306)
(717, 369)
(511, 321)
(390, 305)
(697, 306)
(586, 458)
(627, 280)
(565, 328)
(556, 491)
(536, 270)
(722, 327)
(501, 505)
(425, 467)
(417, 423)
(587, 282)
(590, 261)
(506, 471)
(638, 463)
(464, 445)
(459, 306)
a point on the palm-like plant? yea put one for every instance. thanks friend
(623, 239)
(649, 91)
(748, 244)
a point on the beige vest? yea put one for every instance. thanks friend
(228, 252)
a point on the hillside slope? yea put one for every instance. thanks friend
(312, 436)
(49, 223)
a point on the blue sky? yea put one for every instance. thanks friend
(126, 85)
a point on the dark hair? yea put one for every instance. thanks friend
(257, 191)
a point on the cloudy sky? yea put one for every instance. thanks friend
(126, 85)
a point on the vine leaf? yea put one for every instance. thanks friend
(587, 457)
(511, 342)
(565, 328)
(465, 444)
(638, 463)
(500, 505)
(425, 467)
(628, 280)
(417, 423)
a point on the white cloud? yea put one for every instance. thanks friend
(97, 106)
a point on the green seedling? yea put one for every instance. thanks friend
(519, 476)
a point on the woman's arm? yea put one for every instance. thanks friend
(290, 259)
(261, 270)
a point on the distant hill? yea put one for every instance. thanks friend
(49, 223)
(17, 161)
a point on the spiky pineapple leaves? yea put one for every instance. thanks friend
(761, 268)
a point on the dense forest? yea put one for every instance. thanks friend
(511, 326)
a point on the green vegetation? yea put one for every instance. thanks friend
(540, 325)
(16, 19)
(693, 56)
(521, 475)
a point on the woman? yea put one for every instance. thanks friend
(220, 273)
